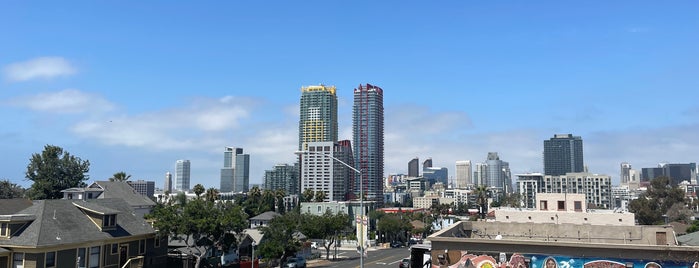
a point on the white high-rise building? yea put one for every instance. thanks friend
(463, 174)
(321, 173)
(182, 175)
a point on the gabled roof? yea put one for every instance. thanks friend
(121, 189)
(61, 221)
(267, 216)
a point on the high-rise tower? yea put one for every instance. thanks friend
(414, 168)
(182, 173)
(367, 129)
(563, 154)
(167, 187)
(318, 115)
(241, 175)
(463, 174)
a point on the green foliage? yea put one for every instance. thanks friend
(120, 176)
(256, 202)
(694, 227)
(326, 227)
(199, 190)
(279, 241)
(10, 190)
(55, 170)
(211, 194)
(207, 223)
(307, 195)
(394, 227)
(320, 196)
(656, 201)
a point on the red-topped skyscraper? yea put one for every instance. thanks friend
(367, 129)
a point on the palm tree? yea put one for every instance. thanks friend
(307, 195)
(199, 189)
(279, 196)
(320, 196)
(120, 176)
(211, 194)
(482, 200)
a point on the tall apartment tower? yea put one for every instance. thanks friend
(322, 173)
(367, 130)
(167, 186)
(283, 176)
(463, 174)
(228, 170)
(479, 174)
(414, 168)
(182, 173)
(318, 115)
(563, 154)
(625, 176)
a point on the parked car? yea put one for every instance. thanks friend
(396, 244)
(404, 263)
(297, 262)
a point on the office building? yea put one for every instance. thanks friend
(597, 188)
(318, 115)
(284, 177)
(563, 154)
(321, 173)
(427, 163)
(145, 188)
(479, 174)
(414, 167)
(435, 175)
(241, 173)
(182, 173)
(675, 172)
(228, 170)
(368, 139)
(463, 174)
(625, 175)
(497, 173)
(167, 187)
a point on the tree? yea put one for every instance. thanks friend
(211, 194)
(394, 227)
(10, 190)
(199, 190)
(656, 201)
(307, 195)
(482, 200)
(55, 170)
(209, 225)
(280, 241)
(279, 195)
(120, 176)
(325, 227)
(320, 196)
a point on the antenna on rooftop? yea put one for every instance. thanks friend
(54, 214)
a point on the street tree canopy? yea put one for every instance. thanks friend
(55, 170)
(10, 190)
(327, 227)
(657, 201)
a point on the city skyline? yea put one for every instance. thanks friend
(181, 81)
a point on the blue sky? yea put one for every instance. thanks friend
(133, 86)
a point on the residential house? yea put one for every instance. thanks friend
(141, 204)
(84, 233)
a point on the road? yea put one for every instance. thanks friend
(382, 258)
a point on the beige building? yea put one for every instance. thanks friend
(428, 201)
(564, 209)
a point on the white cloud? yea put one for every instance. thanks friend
(43, 67)
(68, 101)
(201, 124)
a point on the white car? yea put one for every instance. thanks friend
(314, 245)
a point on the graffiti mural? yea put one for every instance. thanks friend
(523, 260)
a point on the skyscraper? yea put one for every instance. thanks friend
(414, 168)
(563, 154)
(625, 173)
(182, 173)
(168, 182)
(283, 176)
(427, 163)
(145, 188)
(498, 173)
(228, 170)
(318, 115)
(367, 129)
(463, 174)
(241, 173)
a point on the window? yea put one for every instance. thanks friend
(109, 220)
(543, 205)
(319, 209)
(561, 205)
(142, 246)
(95, 257)
(81, 257)
(578, 206)
(51, 259)
(18, 260)
(157, 241)
(5, 229)
(115, 248)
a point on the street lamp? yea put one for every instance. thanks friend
(253, 254)
(361, 199)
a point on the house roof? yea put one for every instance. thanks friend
(690, 239)
(267, 216)
(121, 189)
(61, 221)
(255, 235)
(12, 206)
